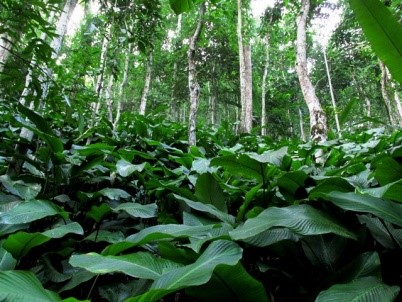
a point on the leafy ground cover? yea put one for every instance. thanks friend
(135, 216)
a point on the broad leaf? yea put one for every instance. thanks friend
(207, 208)
(367, 289)
(383, 31)
(207, 190)
(272, 236)
(139, 265)
(218, 253)
(230, 283)
(124, 168)
(381, 208)
(138, 210)
(300, 219)
(19, 188)
(31, 210)
(23, 286)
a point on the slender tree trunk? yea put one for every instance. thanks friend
(331, 90)
(397, 101)
(175, 107)
(61, 29)
(193, 85)
(318, 119)
(214, 98)
(109, 99)
(246, 117)
(264, 88)
(121, 90)
(385, 95)
(302, 133)
(5, 48)
(147, 85)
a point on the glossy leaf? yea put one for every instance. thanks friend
(138, 210)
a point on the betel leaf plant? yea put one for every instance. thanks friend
(383, 31)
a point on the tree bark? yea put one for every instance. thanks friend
(385, 95)
(123, 84)
(331, 90)
(61, 29)
(302, 134)
(318, 119)
(5, 48)
(245, 67)
(147, 85)
(193, 85)
(264, 88)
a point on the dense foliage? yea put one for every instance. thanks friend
(133, 216)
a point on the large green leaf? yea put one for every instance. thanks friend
(218, 253)
(274, 157)
(390, 191)
(20, 243)
(20, 188)
(387, 170)
(7, 261)
(18, 286)
(138, 210)
(271, 236)
(230, 283)
(31, 210)
(381, 208)
(207, 190)
(207, 208)
(241, 165)
(366, 289)
(158, 232)
(300, 219)
(383, 31)
(181, 6)
(139, 265)
(124, 168)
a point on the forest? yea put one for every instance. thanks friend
(200, 150)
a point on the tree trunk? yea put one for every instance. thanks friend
(302, 134)
(318, 119)
(109, 99)
(5, 48)
(245, 68)
(175, 104)
(331, 90)
(385, 95)
(214, 98)
(193, 85)
(147, 85)
(264, 88)
(121, 90)
(61, 29)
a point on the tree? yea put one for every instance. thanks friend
(318, 119)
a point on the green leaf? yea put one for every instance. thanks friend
(7, 261)
(181, 6)
(207, 190)
(241, 165)
(39, 121)
(367, 289)
(292, 186)
(367, 264)
(390, 191)
(324, 250)
(23, 286)
(62, 230)
(230, 283)
(19, 188)
(273, 157)
(381, 208)
(138, 210)
(31, 210)
(139, 265)
(98, 212)
(300, 219)
(124, 168)
(158, 232)
(387, 170)
(200, 272)
(383, 31)
(207, 208)
(113, 194)
(272, 236)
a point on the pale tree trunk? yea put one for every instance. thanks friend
(245, 68)
(214, 98)
(123, 84)
(302, 134)
(5, 49)
(264, 88)
(109, 99)
(193, 85)
(175, 107)
(331, 90)
(61, 30)
(147, 85)
(318, 119)
(385, 95)
(394, 91)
